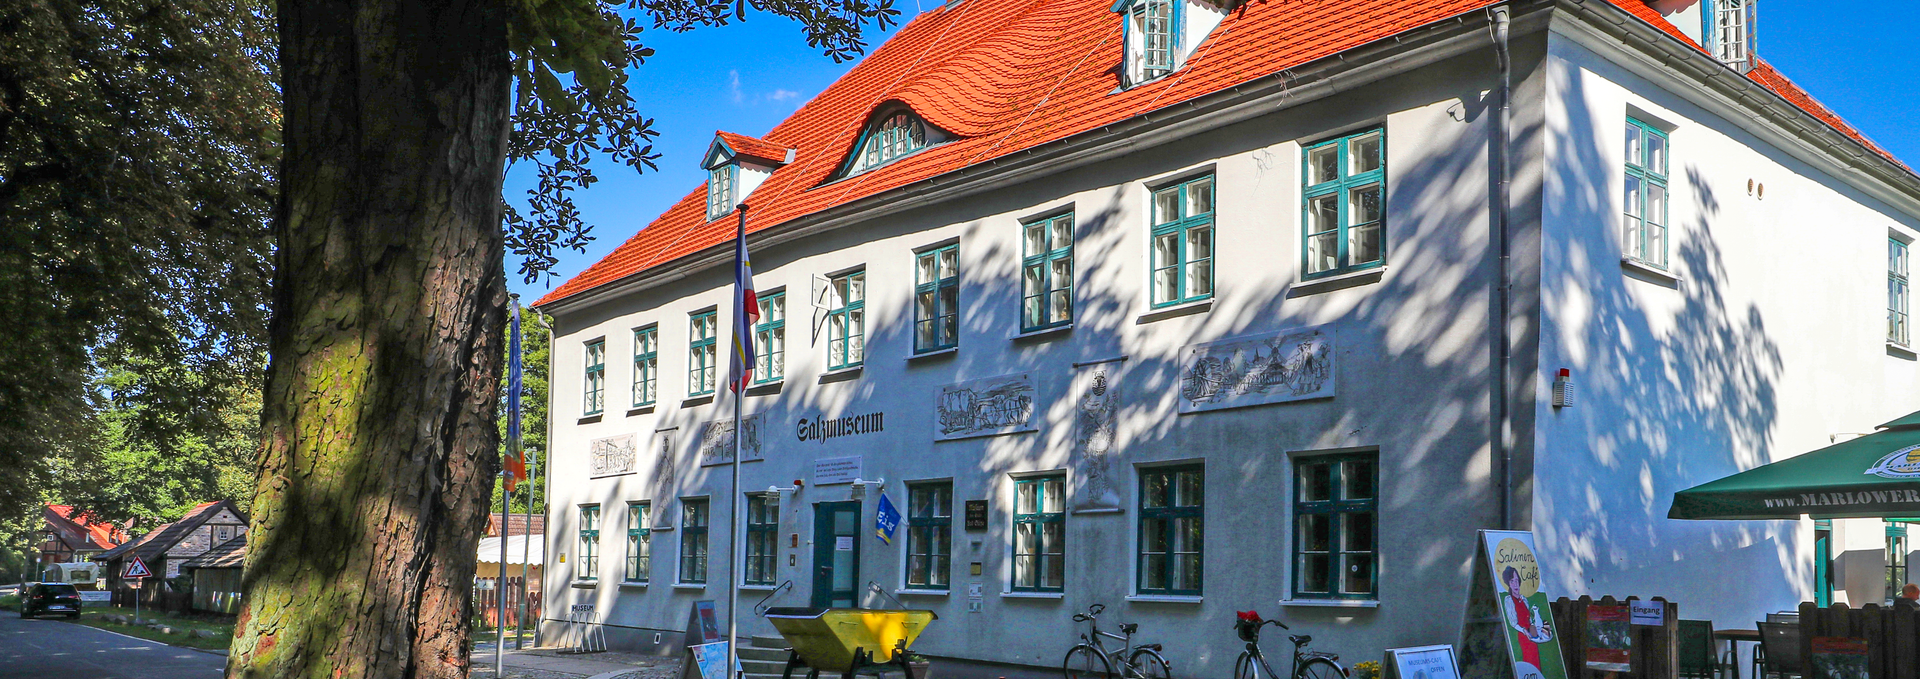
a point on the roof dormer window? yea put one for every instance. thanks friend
(1150, 39)
(720, 185)
(1730, 32)
(897, 135)
(1160, 35)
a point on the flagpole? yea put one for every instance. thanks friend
(506, 529)
(734, 551)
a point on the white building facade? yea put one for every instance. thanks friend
(1236, 352)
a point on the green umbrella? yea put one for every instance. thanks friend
(1874, 476)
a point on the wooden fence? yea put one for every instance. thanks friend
(485, 601)
(1655, 650)
(1892, 637)
(154, 598)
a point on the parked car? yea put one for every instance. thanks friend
(50, 597)
(9, 590)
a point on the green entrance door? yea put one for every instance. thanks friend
(836, 554)
(1822, 562)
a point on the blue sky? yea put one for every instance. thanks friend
(747, 77)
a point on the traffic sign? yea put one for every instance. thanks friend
(136, 569)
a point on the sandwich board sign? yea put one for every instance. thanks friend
(136, 569)
(1533, 643)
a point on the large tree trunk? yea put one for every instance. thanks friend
(380, 444)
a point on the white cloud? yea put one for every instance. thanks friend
(733, 86)
(782, 95)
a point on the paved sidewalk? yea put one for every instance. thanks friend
(549, 663)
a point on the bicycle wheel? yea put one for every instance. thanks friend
(1319, 668)
(1085, 662)
(1149, 665)
(1243, 668)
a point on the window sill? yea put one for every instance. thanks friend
(586, 584)
(640, 410)
(689, 585)
(1164, 598)
(662, 529)
(700, 400)
(1033, 595)
(590, 419)
(757, 588)
(921, 592)
(633, 585)
(1332, 603)
(842, 374)
(1341, 281)
(937, 353)
(1649, 273)
(1175, 311)
(767, 388)
(1901, 350)
(1043, 332)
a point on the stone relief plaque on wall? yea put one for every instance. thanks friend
(610, 456)
(664, 469)
(716, 441)
(1096, 433)
(984, 407)
(1289, 365)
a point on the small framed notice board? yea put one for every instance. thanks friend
(1422, 662)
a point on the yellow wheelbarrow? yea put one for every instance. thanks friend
(848, 641)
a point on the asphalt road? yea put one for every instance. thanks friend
(47, 649)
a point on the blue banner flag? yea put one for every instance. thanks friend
(886, 520)
(516, 462)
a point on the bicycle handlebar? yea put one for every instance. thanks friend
(1081, 617)
(1281, 625)
(1096, 609)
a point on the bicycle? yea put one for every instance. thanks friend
(1090, 658)
(1306, 664)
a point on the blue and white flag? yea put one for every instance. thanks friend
(516, 462)
(887, 520)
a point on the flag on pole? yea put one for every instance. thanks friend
(746, 311)
(516, 463)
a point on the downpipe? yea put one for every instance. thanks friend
(1502, 418)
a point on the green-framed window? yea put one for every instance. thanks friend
(595, 399)
(1046, 285)
(701, 352)
(720, 181)
(1344, 203)
(1040, 533)
(763, 538)
(1645, 194)
(693, 540)
(929, 534)
(847, 320)
(646, 366)
(589, 562)
(936, 299)
(898, 135)
(639, 543)
(770, 340)
(1898, 323)
(1336, 520)
(1172, 528)
(1896, 559)
(1183, 242)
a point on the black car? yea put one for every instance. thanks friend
(50, 597)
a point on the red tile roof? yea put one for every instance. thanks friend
(1004, 76)
(752, 147)
(82, 526)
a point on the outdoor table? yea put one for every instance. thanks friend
(1733, 637)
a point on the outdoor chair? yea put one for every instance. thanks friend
(1784, 616)
(1780, 643)
(1697, 660)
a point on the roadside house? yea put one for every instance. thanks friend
(216, 576)
(166, 548)
(71, 535)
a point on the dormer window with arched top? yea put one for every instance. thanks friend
(891, 137)
(1161, 34)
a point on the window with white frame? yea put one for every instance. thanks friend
(1645, 195)
(1345, 203)
(1047, 273)
(693, 540)
(770, 339)
(595, 398)
(701, 352)
(646, 366)
(847, 320)
(936, 299)
(720, 183)
(1897, 292)
(897, 135)
(1182, 236)
(1730, 31)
